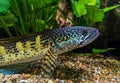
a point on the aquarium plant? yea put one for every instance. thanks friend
(20, 17)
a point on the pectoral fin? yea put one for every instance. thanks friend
(48, 64)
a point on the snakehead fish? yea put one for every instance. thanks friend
(17, 53)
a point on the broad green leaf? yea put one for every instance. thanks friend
(98, 3)
(4, 5)
(78, 7)
(94, 14)
(89, 2)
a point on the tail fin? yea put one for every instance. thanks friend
(48, 64)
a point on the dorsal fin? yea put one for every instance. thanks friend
(16, 39)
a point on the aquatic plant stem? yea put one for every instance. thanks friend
(5, 27)
(23, 28)
(27, 19)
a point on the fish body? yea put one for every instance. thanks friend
(17, 53)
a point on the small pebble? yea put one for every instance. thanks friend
(78, 69)
(50, 81)
(61, 81)
(23, 81)
(14, 80)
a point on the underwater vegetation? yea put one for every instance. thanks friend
(20, 17)
(26, 16)
(27, 22)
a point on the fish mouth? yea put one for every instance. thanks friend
(94, 33)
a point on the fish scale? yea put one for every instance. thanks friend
(17, 53)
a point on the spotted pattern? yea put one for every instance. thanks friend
(21, 54)
(45, 46)
(70, 38)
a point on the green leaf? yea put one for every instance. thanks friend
(89, 2)
(95, 14)
(4, 5)
(49, 1)
(102, 50)
(111, 8)
(42, 24)
(78, 7)
(98, 3)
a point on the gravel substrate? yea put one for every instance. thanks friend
(73, 68)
